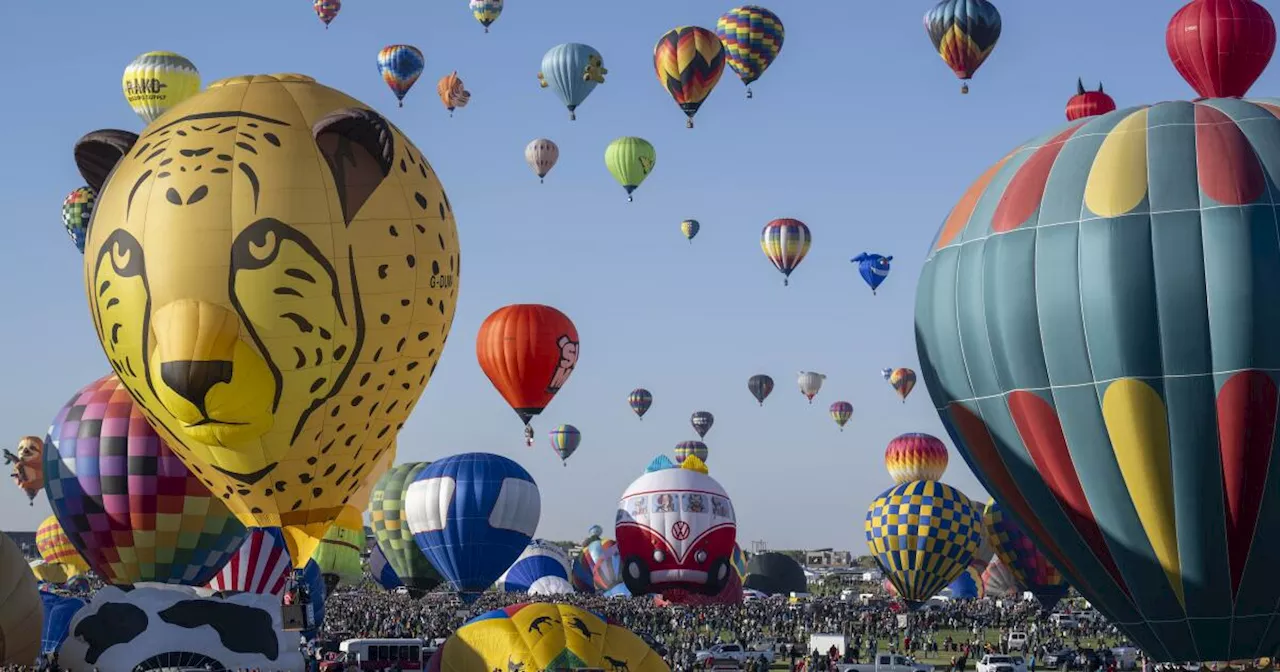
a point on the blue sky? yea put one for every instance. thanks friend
(858, 129)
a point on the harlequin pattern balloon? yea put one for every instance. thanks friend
(56, 548)
(916, 456)
(1031, 569)
(760, 386)
(261, 565)
(21, 609)
(77, 210)
(400, 65)
(752, 38)
(702, 422)
(391, 529)
(640, 400)
(541, 569)
(689, 228)
(565, 440)
(1088, 103)
(339, 555)
(158, 80)
(528, 351)
(689, 61)
(28, 466)
(381, 571)
(923, 535)
(1221, 47)
(544, 636)
(785, 242)
(452, 95)
(263, 353)
(598, 569)
(1120, 457)
(999, 580)
(630, 160)
(903, 381)
(327, 10)
(841, 411)
(127, 503)
(472, 515)
(963, 33)
(573, 70)
(810, 383)
(541, 155)
(486, 11)
(873, 268)
(686, 448)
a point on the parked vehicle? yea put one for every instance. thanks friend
(733, 652)
(887, 662)
(1017, 640)
(998, 663)
(1055, 659)
(823, 641)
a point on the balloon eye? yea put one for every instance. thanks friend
(659, 556)
(700, 557)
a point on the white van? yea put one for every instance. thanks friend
(1064, 621)
(1017, 640)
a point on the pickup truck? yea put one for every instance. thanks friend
(733, 652)
(886, 662)
(997, 663)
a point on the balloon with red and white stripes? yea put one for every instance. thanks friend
(262, 565)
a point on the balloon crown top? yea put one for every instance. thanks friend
(253, 79)
(1237, 36)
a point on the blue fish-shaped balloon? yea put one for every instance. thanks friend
(873, 268)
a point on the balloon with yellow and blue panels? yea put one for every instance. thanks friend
(1096, 326)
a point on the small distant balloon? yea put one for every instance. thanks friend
(1088, 103)
(760, 386)
(903, 381)
(886, 373)
(541, 154)
(873, 268)
(157, 80)
(810, 383)
(452, 93)
(486, 11)
(400, 65)
(77, 210)
(327, 10)
(841, 411)
(689, 228)
(963, 33)
(702, 421)
(640, 400)
(686, 448)
(572, 70)
(630, 160)
(565, 440)
(785, 242)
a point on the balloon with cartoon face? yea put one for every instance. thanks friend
(271, 271)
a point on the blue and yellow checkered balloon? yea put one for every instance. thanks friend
(923, 534)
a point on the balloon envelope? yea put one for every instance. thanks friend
(640, 400)
(1031, 569)
(400, 65)
(916, 456)
(391, 529)
(752, 37)
(381, 571)
(20, 607)
(58, 611)
(922, 557)
(542, 567)
(158, 80)
(572, 70)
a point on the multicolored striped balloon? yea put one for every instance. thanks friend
(785, 242)
(689, 61)
(923, 535)
(327, 10)
(486, 11)
(261, 565)
(640, 400)
(400, 65)
(131, 508)
(565, 440)
(56, 548)
(752, 38)
(916, 457)
(1031, 569)
(77, 210)
(841, 411)
(686, 448)
(689, 228)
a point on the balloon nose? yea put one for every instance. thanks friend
(192, 380)
(195, 344)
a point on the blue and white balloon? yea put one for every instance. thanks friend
(542, 569)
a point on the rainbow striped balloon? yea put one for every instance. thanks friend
(916, 457)
(752, 38)
(686, 448)
(785, 242)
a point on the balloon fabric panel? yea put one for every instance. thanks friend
(261, 565)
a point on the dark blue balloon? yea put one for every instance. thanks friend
(873, 268)
(382, 572)
(58, 612)
(313, 581)
(965, 587)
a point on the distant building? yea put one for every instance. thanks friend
(826, 557)
(25, 541)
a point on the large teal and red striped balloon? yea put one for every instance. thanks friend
(1096, 325)
(128, 504)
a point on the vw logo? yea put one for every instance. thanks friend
(680, 531)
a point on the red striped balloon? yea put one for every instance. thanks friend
(261, 566)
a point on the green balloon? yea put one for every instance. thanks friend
(338, 557)
(391, 529)
(630, 160)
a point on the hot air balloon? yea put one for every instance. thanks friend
(77, 210)
(528, 351)
(1088, 103)
(452, 95)
(689, 61)
(1031, 569)
(685, 449)
(689, 228)
(541, 155)
(922, 557)
(640, 400)
(598, 569)
(702, 421)
(810, 383)
(486, 11)
(400, 66)
(752, 38)
(775, 574)
(573, 70)
(565, 440)
(58, 611)
(213, 358)
(841, 411)
(47, 573)
(20, 608)
(339, 554)
(593, 533)
(903, 381)
(261, 565)
(391, 530)
(676, 530)
(760, 386)
(967, 586)
(915, 457)
(630, 160)
(1221, 47)
(56, 548)
(130, 507)
(873, 268)
(472, 515)
(785, 242)
(327, 10)
(999, 579)
(28, 466)
(381, 571)
(544, 636)
(156, 81)
(542, 569)
(1119, 459)
(963, 33)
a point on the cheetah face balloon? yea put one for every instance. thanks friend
(271, 269)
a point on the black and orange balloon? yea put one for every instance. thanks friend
(528, 352)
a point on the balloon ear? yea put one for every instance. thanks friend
(1100, 88)
(359, 147)
(1079, 86)
(889, 258)
(97, 154)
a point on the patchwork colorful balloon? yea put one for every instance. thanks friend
(391, 529)
(1032, 571)
(752, 37)
(923, 535)
(963, 33)
(686, 448)
(903, 381)
(327, 10)
(565, 440)
(77, 210)
(840, 412)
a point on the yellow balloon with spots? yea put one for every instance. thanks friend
(272, 271)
